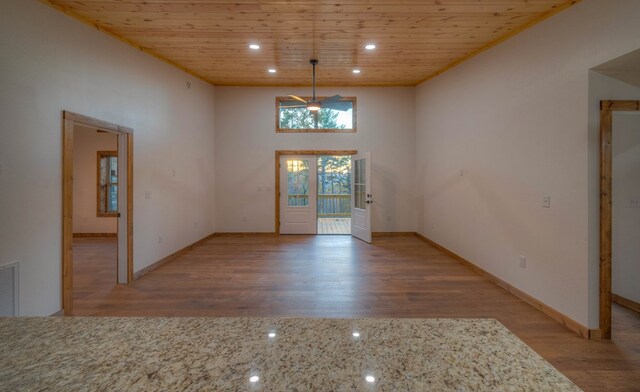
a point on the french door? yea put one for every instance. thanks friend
(361, 197)
(298, 194)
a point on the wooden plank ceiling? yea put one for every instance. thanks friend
(415, 39)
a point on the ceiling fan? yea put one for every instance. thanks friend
(314, 104)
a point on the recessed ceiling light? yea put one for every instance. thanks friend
(356, 334)
(370, 46)
(254, 46)
(370, 379)
(254, 378)
(272, 334)
(272, 70)
(356, 71)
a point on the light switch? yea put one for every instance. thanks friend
(147, 195)
(546, 201)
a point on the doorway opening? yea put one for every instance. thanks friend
(334, 195)
(97, 207)
(618, 283)
(296, 198)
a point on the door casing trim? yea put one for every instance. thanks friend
(280, 153)
(70, 120)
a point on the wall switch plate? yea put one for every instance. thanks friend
(546, 201)
(267, 188)
(147, 195)
(259, 188)
(160, 239)
(634, 202)
(523, 262)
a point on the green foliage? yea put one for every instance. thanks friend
(302, 118)
(334, 175)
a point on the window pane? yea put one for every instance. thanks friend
(295, 115)
(297, 183)
(114, 170)
(360, 185)
(112, 205)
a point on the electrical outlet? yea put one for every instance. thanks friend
(244, 218)
(173, 173)
(523, 262)
(160, 239)
(259, 188)
(634, 203)
(546, 201)
(147, 195)
(195, 225)
(388, 219)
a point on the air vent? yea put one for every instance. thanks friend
(9, 290)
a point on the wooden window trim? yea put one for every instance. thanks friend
(99, 213)
(354, 129)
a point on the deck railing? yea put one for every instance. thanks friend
(329, 206)
(334, 206)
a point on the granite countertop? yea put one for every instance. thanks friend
(268, 354)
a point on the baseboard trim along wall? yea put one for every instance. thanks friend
(627, 303)
(246, 234)
(569, 323)
(149, 268)
(93, 235)
(393, 233)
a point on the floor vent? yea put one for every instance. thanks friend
(9, 290)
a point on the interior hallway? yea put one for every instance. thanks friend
(338, 276)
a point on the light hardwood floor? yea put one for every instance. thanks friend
(338, 276)
(334, 225)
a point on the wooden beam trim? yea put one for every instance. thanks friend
(94, 122)
(607, 107)
(627, 303)
(549, 311)
(620, 106)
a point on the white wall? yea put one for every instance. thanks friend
(626, 206)
(86, 144)
(49, 63)
(246, 142)
(515, 120)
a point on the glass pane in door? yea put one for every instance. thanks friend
(360, 185)
(297, 183)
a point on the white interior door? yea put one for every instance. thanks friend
(298, 194)
(361, 197)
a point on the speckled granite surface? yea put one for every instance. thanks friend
(222, 354)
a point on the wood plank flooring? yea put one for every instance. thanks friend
(339, 276)
(334, 225)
